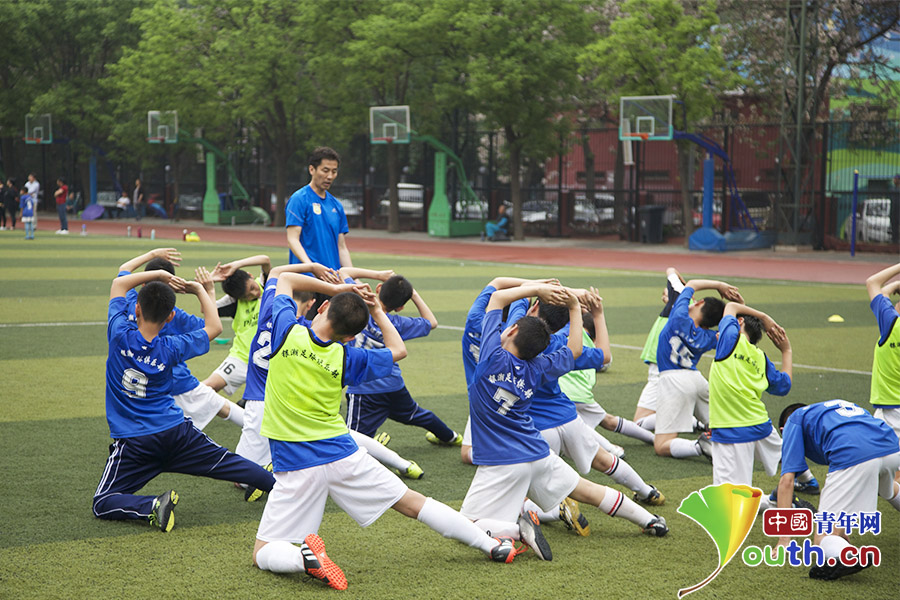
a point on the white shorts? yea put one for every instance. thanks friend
(733, 463)
(234, 371)
(360, 485)
(856, 488)
(650, 393)
(252, 445)
(591, 413)
(575, 440)
(467, 433)
(683, 394)
(498, 491)
(201, 404)
(891, 416)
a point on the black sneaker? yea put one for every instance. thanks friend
(163, 515)
(654, 498)
(530, 533)
(505, 550)
(657, 527)
(832, 572)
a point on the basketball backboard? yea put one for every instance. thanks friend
(389, 124)
(38, 129)
(645, 118)
(162, 126)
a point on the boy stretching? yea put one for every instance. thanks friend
(198, 401)
(241, 302)
(150, 434)
(514, 461)
(885, 390)
(683, 391)
(313, 454)
(251, 444)
(556, 417)
(371, 403)
(740, 427)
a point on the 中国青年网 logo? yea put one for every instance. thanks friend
(727, 513)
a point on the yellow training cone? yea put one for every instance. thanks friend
(835, 319)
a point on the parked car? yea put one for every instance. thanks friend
(412, 198)
(873, 221)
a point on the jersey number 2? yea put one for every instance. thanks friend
(259, 357)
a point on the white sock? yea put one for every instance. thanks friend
(629, 428)
(766, 503)
(495, 528)
(895, 501)
(235, 414)
(451, 524)
(623, 474)
(544, 516)
(380, 452)
(805, 476)
(832, 545)
(604, 443)
(280, 557)
(682, 448)
(648, 422)
(615, 504)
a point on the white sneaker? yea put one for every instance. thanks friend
(58, 231)
(64, 232)
(2, 228)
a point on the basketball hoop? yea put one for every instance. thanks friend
(642, 136)
(29, 140)
(156, 140)
(382, 140)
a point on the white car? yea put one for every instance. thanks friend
(873, 222)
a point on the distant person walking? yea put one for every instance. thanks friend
(61, 193)
(137, 200)
(34, 188)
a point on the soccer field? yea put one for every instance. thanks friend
(54, 440)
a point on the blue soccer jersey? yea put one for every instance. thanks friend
(139, 374)
(322, 221)
(359, 366)
(836, 433)
(471, 338)
(681, 342)
(261, 345)
(503, 433)
(550, 407)
(372, 338)
(182, 379)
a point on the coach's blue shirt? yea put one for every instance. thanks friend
(139, 374)
(681, 342)
(836, 433)
(503, 433)
(550, 407)
(322, 220)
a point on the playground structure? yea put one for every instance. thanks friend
(649, 118)
(391, 125)
(162, 128)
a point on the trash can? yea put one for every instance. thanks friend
(651, 223)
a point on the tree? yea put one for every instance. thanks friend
(661, 47)
(520, 73)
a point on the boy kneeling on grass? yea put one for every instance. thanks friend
(150, 433)
(313, 454)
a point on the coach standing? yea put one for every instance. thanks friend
(315, 220)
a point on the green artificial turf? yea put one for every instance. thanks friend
(54, 438)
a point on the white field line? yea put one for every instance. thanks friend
(448, 327)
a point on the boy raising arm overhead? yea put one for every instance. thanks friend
(150, 433)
